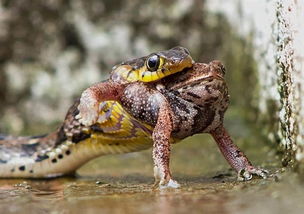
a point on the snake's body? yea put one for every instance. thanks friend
(57, 153)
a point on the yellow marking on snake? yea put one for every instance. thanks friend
(155, 66)
(120, 131)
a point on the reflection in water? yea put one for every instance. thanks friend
(31, 195)
(79, 195)
(164, 204)
(184, 202)
(218, 195)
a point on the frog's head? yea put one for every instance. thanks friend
(203, 84)
(215, 70)
(200, 73)
(154, 66)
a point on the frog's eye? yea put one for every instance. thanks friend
(153, 62)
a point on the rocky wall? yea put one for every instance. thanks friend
(278, 44)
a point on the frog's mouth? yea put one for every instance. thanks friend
(199, 74)
(210, 77)
(203, 73)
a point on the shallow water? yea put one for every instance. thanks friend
(124, 184)
(134, 194)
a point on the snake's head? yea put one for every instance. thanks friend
(153, 67)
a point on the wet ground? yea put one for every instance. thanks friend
(123, 184)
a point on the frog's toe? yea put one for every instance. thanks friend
(247, 173)
(87, 115)
(88, 118)
(88, 121)
(170, 184)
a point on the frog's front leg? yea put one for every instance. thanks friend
(161, 146)
(91, 98)
(235, 157)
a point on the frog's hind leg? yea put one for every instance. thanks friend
(235, 157)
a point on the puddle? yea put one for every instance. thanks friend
(124, 184)
(117, 195)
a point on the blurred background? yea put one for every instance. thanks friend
(50, 51)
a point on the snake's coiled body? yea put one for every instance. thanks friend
(72, 145)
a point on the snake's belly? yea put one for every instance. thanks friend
(116, 132)
(61, 163)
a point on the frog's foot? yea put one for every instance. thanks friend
(88, 112)
(162, 182)
(247, 173)
(87, 116)
(169, 184)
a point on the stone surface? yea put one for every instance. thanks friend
(278, 38)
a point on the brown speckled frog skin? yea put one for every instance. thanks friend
(180, 105)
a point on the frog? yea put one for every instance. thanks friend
(190, 101)
(152, 101)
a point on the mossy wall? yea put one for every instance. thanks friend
(290, 64)
(278, 46)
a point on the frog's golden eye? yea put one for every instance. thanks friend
(153, 62)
